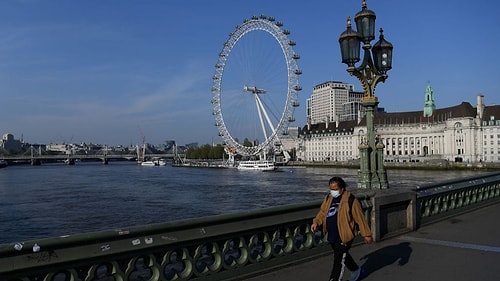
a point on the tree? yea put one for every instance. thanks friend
(247, 143)
(206, 152)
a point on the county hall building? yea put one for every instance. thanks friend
(336, 127)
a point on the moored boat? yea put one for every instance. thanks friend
(3, 163)
(257, 165)
(154, 162)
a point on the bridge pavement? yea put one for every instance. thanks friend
(462, 248)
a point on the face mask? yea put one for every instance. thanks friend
(335, 193)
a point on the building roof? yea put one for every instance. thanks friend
(332, 126)
(464, 109)
(490, 111)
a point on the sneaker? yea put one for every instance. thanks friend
(355, 275)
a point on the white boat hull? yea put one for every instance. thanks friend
(256, 165)
(153, 163)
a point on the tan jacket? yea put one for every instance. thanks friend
(346, 227)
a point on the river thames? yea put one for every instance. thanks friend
(56, 199)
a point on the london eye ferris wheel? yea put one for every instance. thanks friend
(255, 87)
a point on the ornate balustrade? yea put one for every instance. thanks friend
(449, 198)
(212, 248)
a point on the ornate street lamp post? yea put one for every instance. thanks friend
(372, 173)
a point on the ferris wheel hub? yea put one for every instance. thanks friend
(253, 89)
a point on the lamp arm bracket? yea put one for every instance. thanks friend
(368, 75)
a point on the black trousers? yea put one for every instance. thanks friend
(341, 260)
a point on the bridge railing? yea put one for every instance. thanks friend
(449, 198)
(228, 247)
(211, 248)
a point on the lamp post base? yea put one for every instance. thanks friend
(379, 181)
(369, 180)
(372, 173)
(364, 178)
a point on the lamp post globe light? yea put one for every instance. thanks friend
(372, 173)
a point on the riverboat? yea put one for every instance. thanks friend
(3, 163)
(257, 165)
(154, 162)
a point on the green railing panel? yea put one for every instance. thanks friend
(449, 198)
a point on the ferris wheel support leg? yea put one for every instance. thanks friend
(230, 160)
(271, 126)
(259, 110)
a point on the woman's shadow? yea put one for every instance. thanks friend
(386, 256)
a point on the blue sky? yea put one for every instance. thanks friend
(114, 71)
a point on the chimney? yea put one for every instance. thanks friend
(480, 106)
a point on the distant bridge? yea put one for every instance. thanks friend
(66, 157)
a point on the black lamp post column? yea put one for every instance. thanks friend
(372, 173)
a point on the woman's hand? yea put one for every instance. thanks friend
(313, 227)
(368, 239)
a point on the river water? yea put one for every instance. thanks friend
(56, 199)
